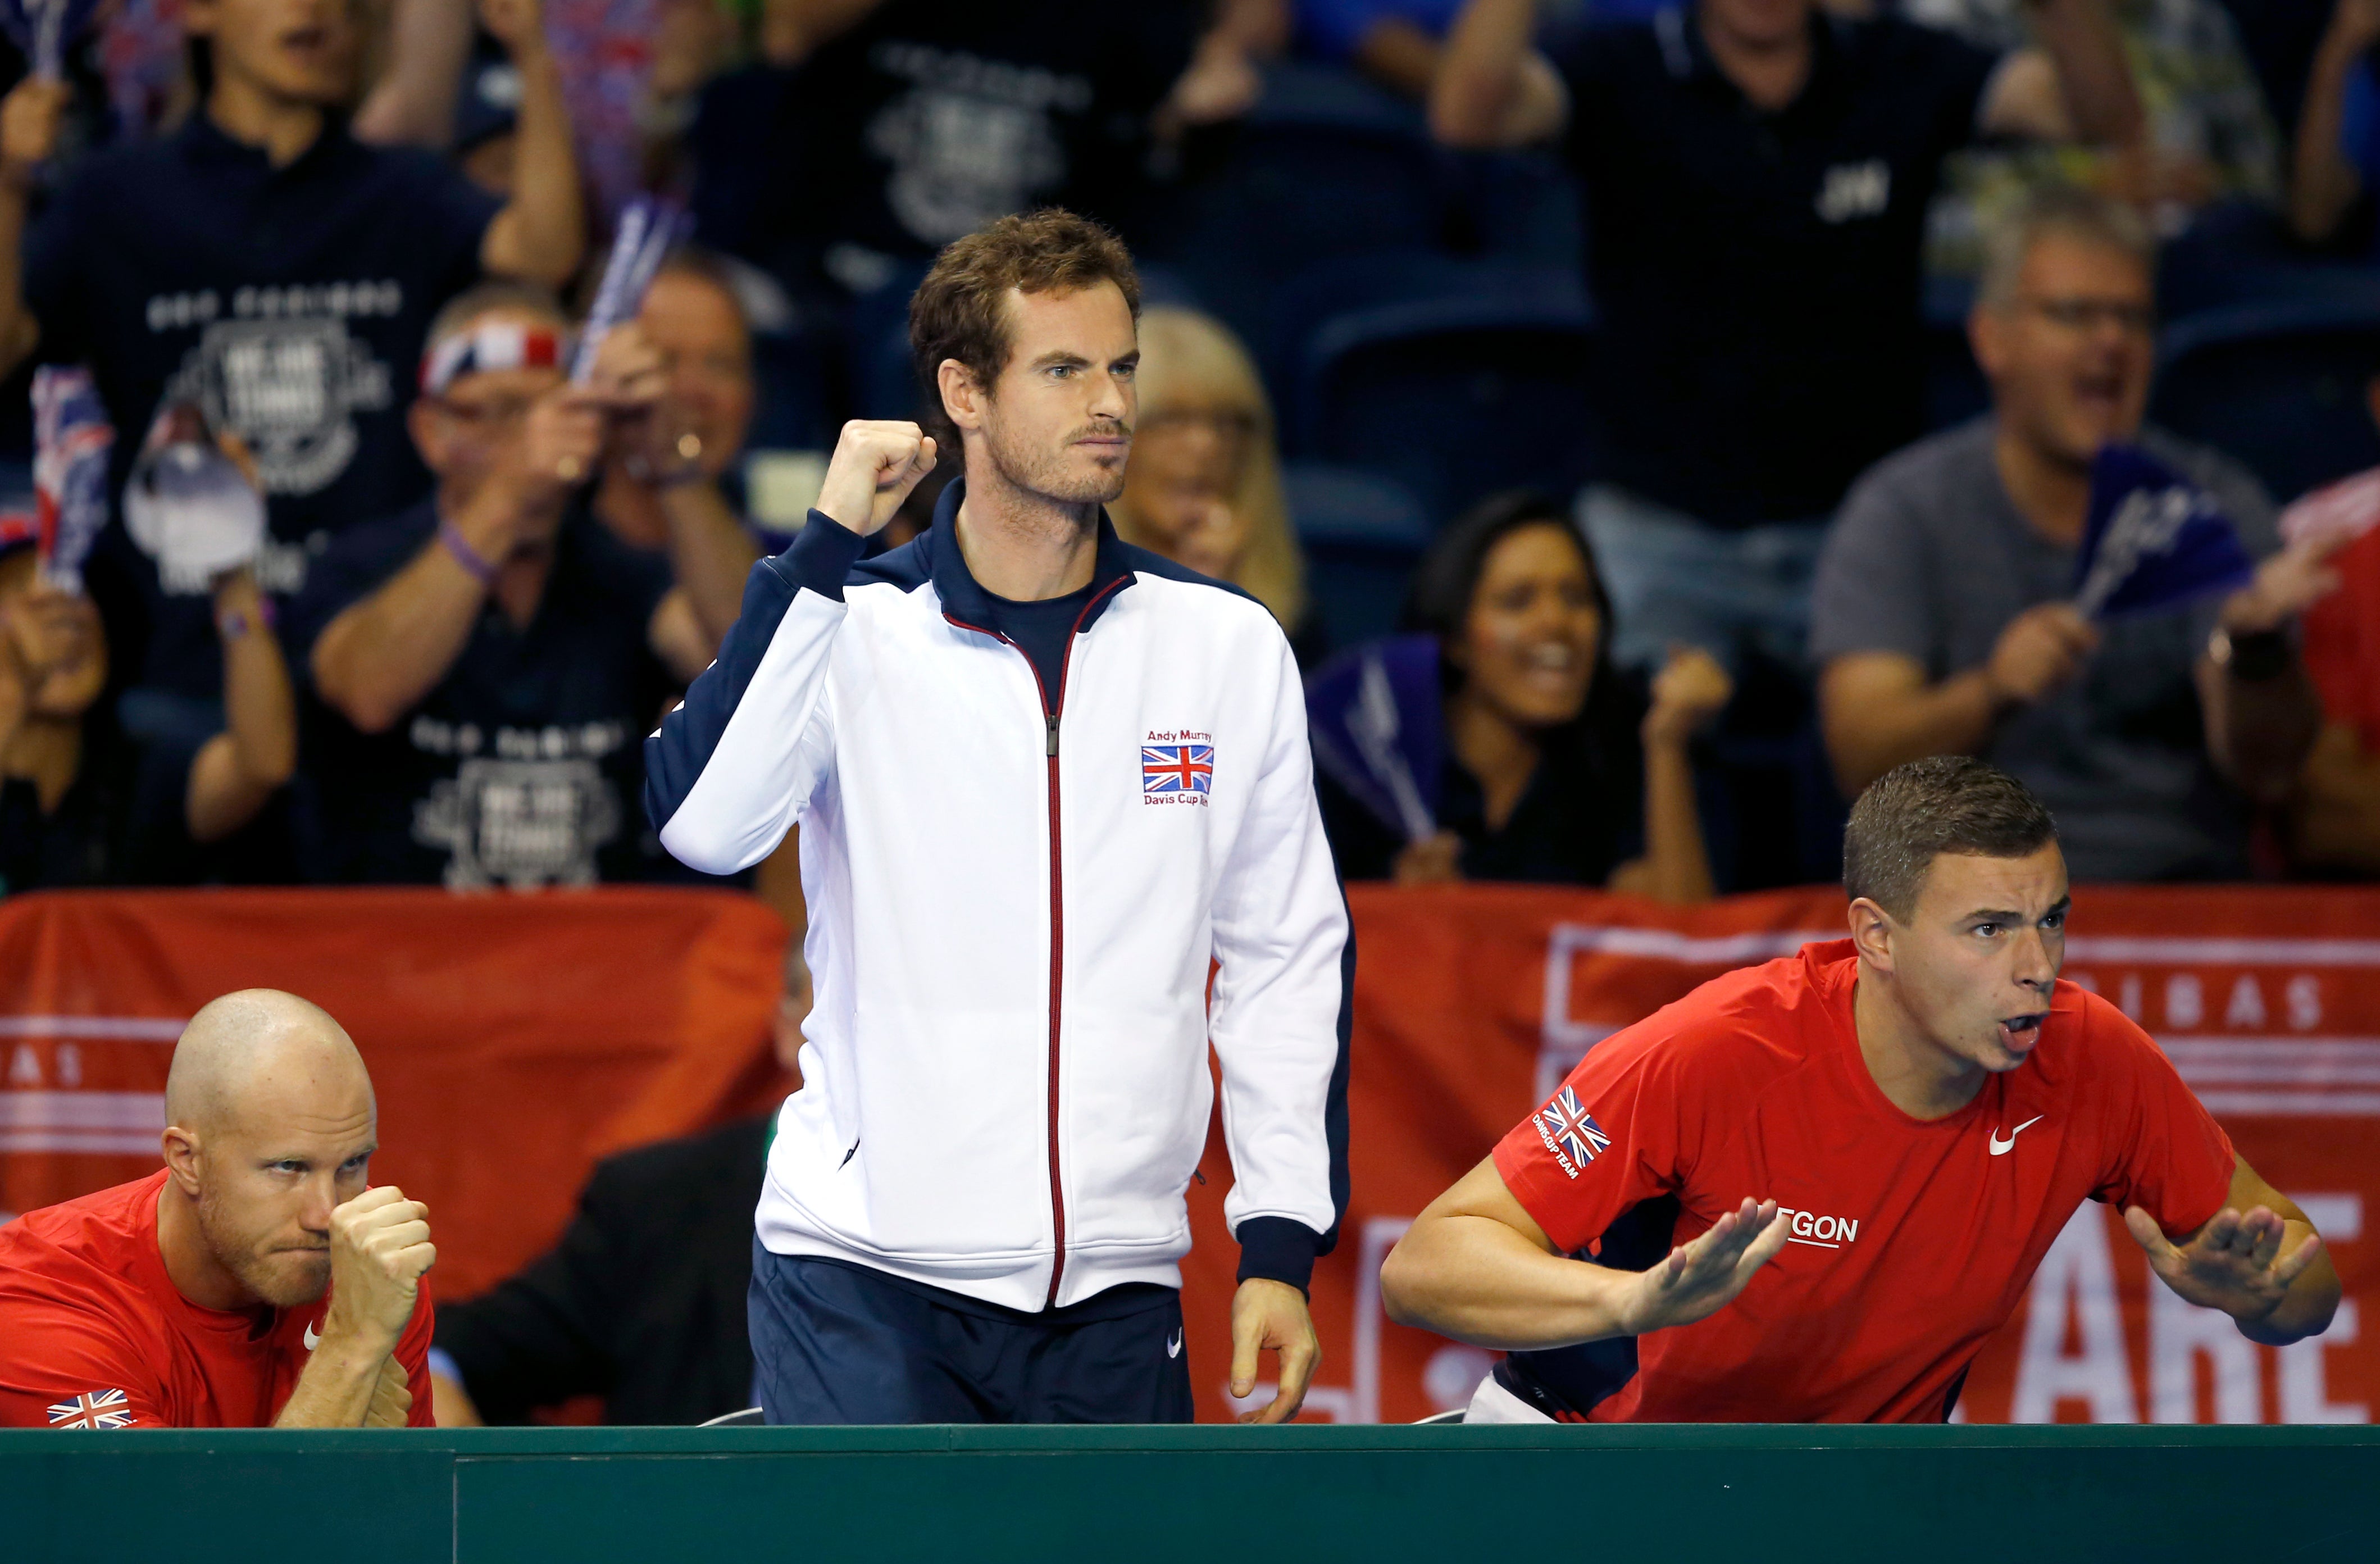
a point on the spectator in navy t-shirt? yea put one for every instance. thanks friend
(1758, 175)
(267, 266)
(490, 661)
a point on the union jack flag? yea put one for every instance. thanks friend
(1176, 768)
(1573, 1128)
(92, 1409)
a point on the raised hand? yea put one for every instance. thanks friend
(630, 374)
(876, 464)
(2355, 25)
(2039, 651)
(2233, 1264)
(58, 646)
(380, 1250)
(2286, 585)
(29, 127)
(562, 439)
(1690, 690)
(518, 25)
(1701, 1278)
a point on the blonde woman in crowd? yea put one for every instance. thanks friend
(1204, 486)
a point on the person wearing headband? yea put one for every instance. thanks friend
(487, 660)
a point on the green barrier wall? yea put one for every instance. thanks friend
(1212, 1495)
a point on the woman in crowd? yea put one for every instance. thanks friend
(1204, 485)
(1497, 741)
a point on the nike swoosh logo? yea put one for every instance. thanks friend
(2002, 1148)
(1174, 1348)
(313, 1337)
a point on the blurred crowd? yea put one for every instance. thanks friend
(1649, 422)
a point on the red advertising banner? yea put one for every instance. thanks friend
(513, 1039)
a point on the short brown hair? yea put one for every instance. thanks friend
(2066, 210)
(1942, 804)
(960, 311)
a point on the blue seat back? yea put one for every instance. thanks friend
(1361, 534)
(2278, 384)
(1458, 397)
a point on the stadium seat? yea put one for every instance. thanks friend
(1325, 164)
(1519, 205)
(1955, 389)
(1361, 534)
(2279, 385)
(1457, 395)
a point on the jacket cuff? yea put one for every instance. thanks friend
(1278, 1249)
(821, 556)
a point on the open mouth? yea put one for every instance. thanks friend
(306, 40)
(2019, 1033)
(2103, 393)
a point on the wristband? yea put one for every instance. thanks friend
(458, 547)
(2252, 659)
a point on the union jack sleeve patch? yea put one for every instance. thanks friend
(93, 1409)
(1570, 1131)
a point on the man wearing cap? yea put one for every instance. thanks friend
(489, 657)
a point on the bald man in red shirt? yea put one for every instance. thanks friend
(256, 1279)
(1866, 1149)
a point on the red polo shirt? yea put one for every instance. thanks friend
(1912, 1240)
(93, 1333)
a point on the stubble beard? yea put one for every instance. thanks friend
(1046, 474)
(284, 1280)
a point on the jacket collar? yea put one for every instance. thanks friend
(965, 600)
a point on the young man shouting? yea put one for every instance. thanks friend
(1868, 1147)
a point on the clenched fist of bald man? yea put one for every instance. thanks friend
(380, 1250)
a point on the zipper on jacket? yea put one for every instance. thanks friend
(1051, 711)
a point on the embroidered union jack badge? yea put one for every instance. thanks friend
(1570, 1131)
(1176, 768)
(92, 1409)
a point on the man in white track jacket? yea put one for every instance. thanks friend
(1047, 783)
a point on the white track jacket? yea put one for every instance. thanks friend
(1005, 1083)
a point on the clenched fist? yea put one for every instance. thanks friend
(29, 127)
(380, 1250)
(518, 25)
(876, 464)
(2038, 651)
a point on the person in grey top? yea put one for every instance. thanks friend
(1941, 618)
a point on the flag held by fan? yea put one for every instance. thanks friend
(2155, 539)
(648, 228)
(71, 441)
